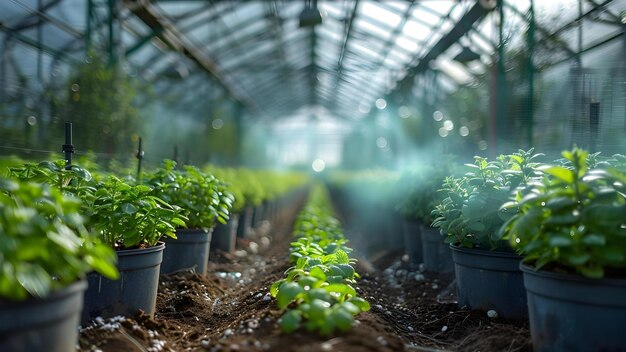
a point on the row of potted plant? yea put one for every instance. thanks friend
(565, 222)
(317, 290)
(259, 195)
(103, 219)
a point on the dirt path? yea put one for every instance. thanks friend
(231, 310)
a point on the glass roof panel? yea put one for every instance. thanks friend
(375, 10)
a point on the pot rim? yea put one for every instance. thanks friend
(547, 274)
(188, 231)
(485, 252)
(158, 248)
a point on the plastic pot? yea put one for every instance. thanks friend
(225, 236)
(135, 290)
(572, 313)
(436, 254)
(490, 280)
(245, 222)
(47, 324)
(258, 215)
(189, 251)
(413, 240)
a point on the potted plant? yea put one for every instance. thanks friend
(132, 221)
(225, 235)
(46, 252)
(486, 268)
(571, 229)
(409, 192)
(417, 204)
(204, 201)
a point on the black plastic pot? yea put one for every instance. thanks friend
(436, 254)
(490, 280)
(413, 240)
(135, 290)
(245, 222)
(189, 251)
(572, 313)
(225, 236)
(258, 215)
(47, 324)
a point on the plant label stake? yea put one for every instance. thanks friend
(139, 157)
(176, 154)
(68, 147)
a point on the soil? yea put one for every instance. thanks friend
(231, 310)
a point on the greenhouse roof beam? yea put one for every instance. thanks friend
(36, 15)
(170, 35)
(36, 44)
(464, 25)
(344, 45)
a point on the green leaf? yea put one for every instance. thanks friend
(287, 292)
(578, 259)
(129, 208)
(560, 241)
(361, 303)
(343, 319)
(343, 289)
(342, 257)
(318, 272)
(290, 321)
(34, 279)
(350, 307)
(309, 281)
(319, 293)
(275, 286)
(318, 309)
(594, 272)
(594, 240)
(348, 270)
(559, 172)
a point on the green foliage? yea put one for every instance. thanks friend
(129, 216)
(124, 215)
(471, 214)
(77, 181)
(318, 287)
(44, 245)
(574, 217)
(204, 199)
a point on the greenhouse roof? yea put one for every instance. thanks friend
(257, 51)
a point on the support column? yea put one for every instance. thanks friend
(501, 86)
(531, 74)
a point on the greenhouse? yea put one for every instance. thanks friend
(312, 175)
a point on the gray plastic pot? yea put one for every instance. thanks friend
(135, 290)
(189, 251)
(436, 254)
(47, 324)
(225, 236)
(490, 280)
(412, 232)
(572, 313)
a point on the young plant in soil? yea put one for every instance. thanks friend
(572, 219)
(44, 244)
(318, 288)
(471, 213)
